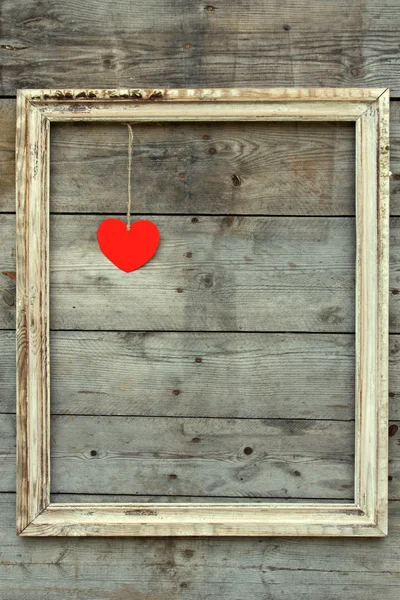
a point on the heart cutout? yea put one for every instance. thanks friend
(128, 249)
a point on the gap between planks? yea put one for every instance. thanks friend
(188, 215)
(134, 416)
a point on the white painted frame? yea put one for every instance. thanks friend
(367, 515)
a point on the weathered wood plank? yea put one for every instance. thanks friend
(195, 457)
(225, 168)
(125, 373)
(241, 375)
(206, 168)
(210, 273)
(110, 44)
(395, 158)
(143, 16)
(187, 569)
(7, 271)
(210, 457)
(394, 377)
(221, 273)
(103, 568)
(277, 376)
(281, 279)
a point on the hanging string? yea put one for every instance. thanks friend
(130, 145)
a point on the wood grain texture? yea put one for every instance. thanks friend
(49, 99)
(81, 183)
(187, 569)
(217, 109)
(380, 414)
(250, 274)
(262, 17)
(178, 168)
(83, 383)
(7, 154)
(233, 458)
(243, 274)
(122, 388)
(218, 568)
(7, 268)
(372, 278)
(114, 44)
(241, 375)
(326, 519)
(290, 376)
(194, 457)
(32, 308)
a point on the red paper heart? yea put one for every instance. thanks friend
(128, 250)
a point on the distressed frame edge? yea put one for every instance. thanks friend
(108, 519)
(32, 312)
(372, 276)
(205, 94)
(370, 517)
(380, 514)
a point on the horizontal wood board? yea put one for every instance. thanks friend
(300, 277)
(175, 456)
(153, 374)
(129, 374)
(209, 273)
(185, 568)
(203, 457)
(181, 44)
(223, 168)
(194, 457)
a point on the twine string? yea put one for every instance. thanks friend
(130, 145)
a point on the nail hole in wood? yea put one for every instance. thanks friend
(236, 180)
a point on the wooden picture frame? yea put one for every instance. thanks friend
(367, 515)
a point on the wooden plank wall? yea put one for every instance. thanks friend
(148, 400)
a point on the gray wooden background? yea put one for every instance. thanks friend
(224, 368)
